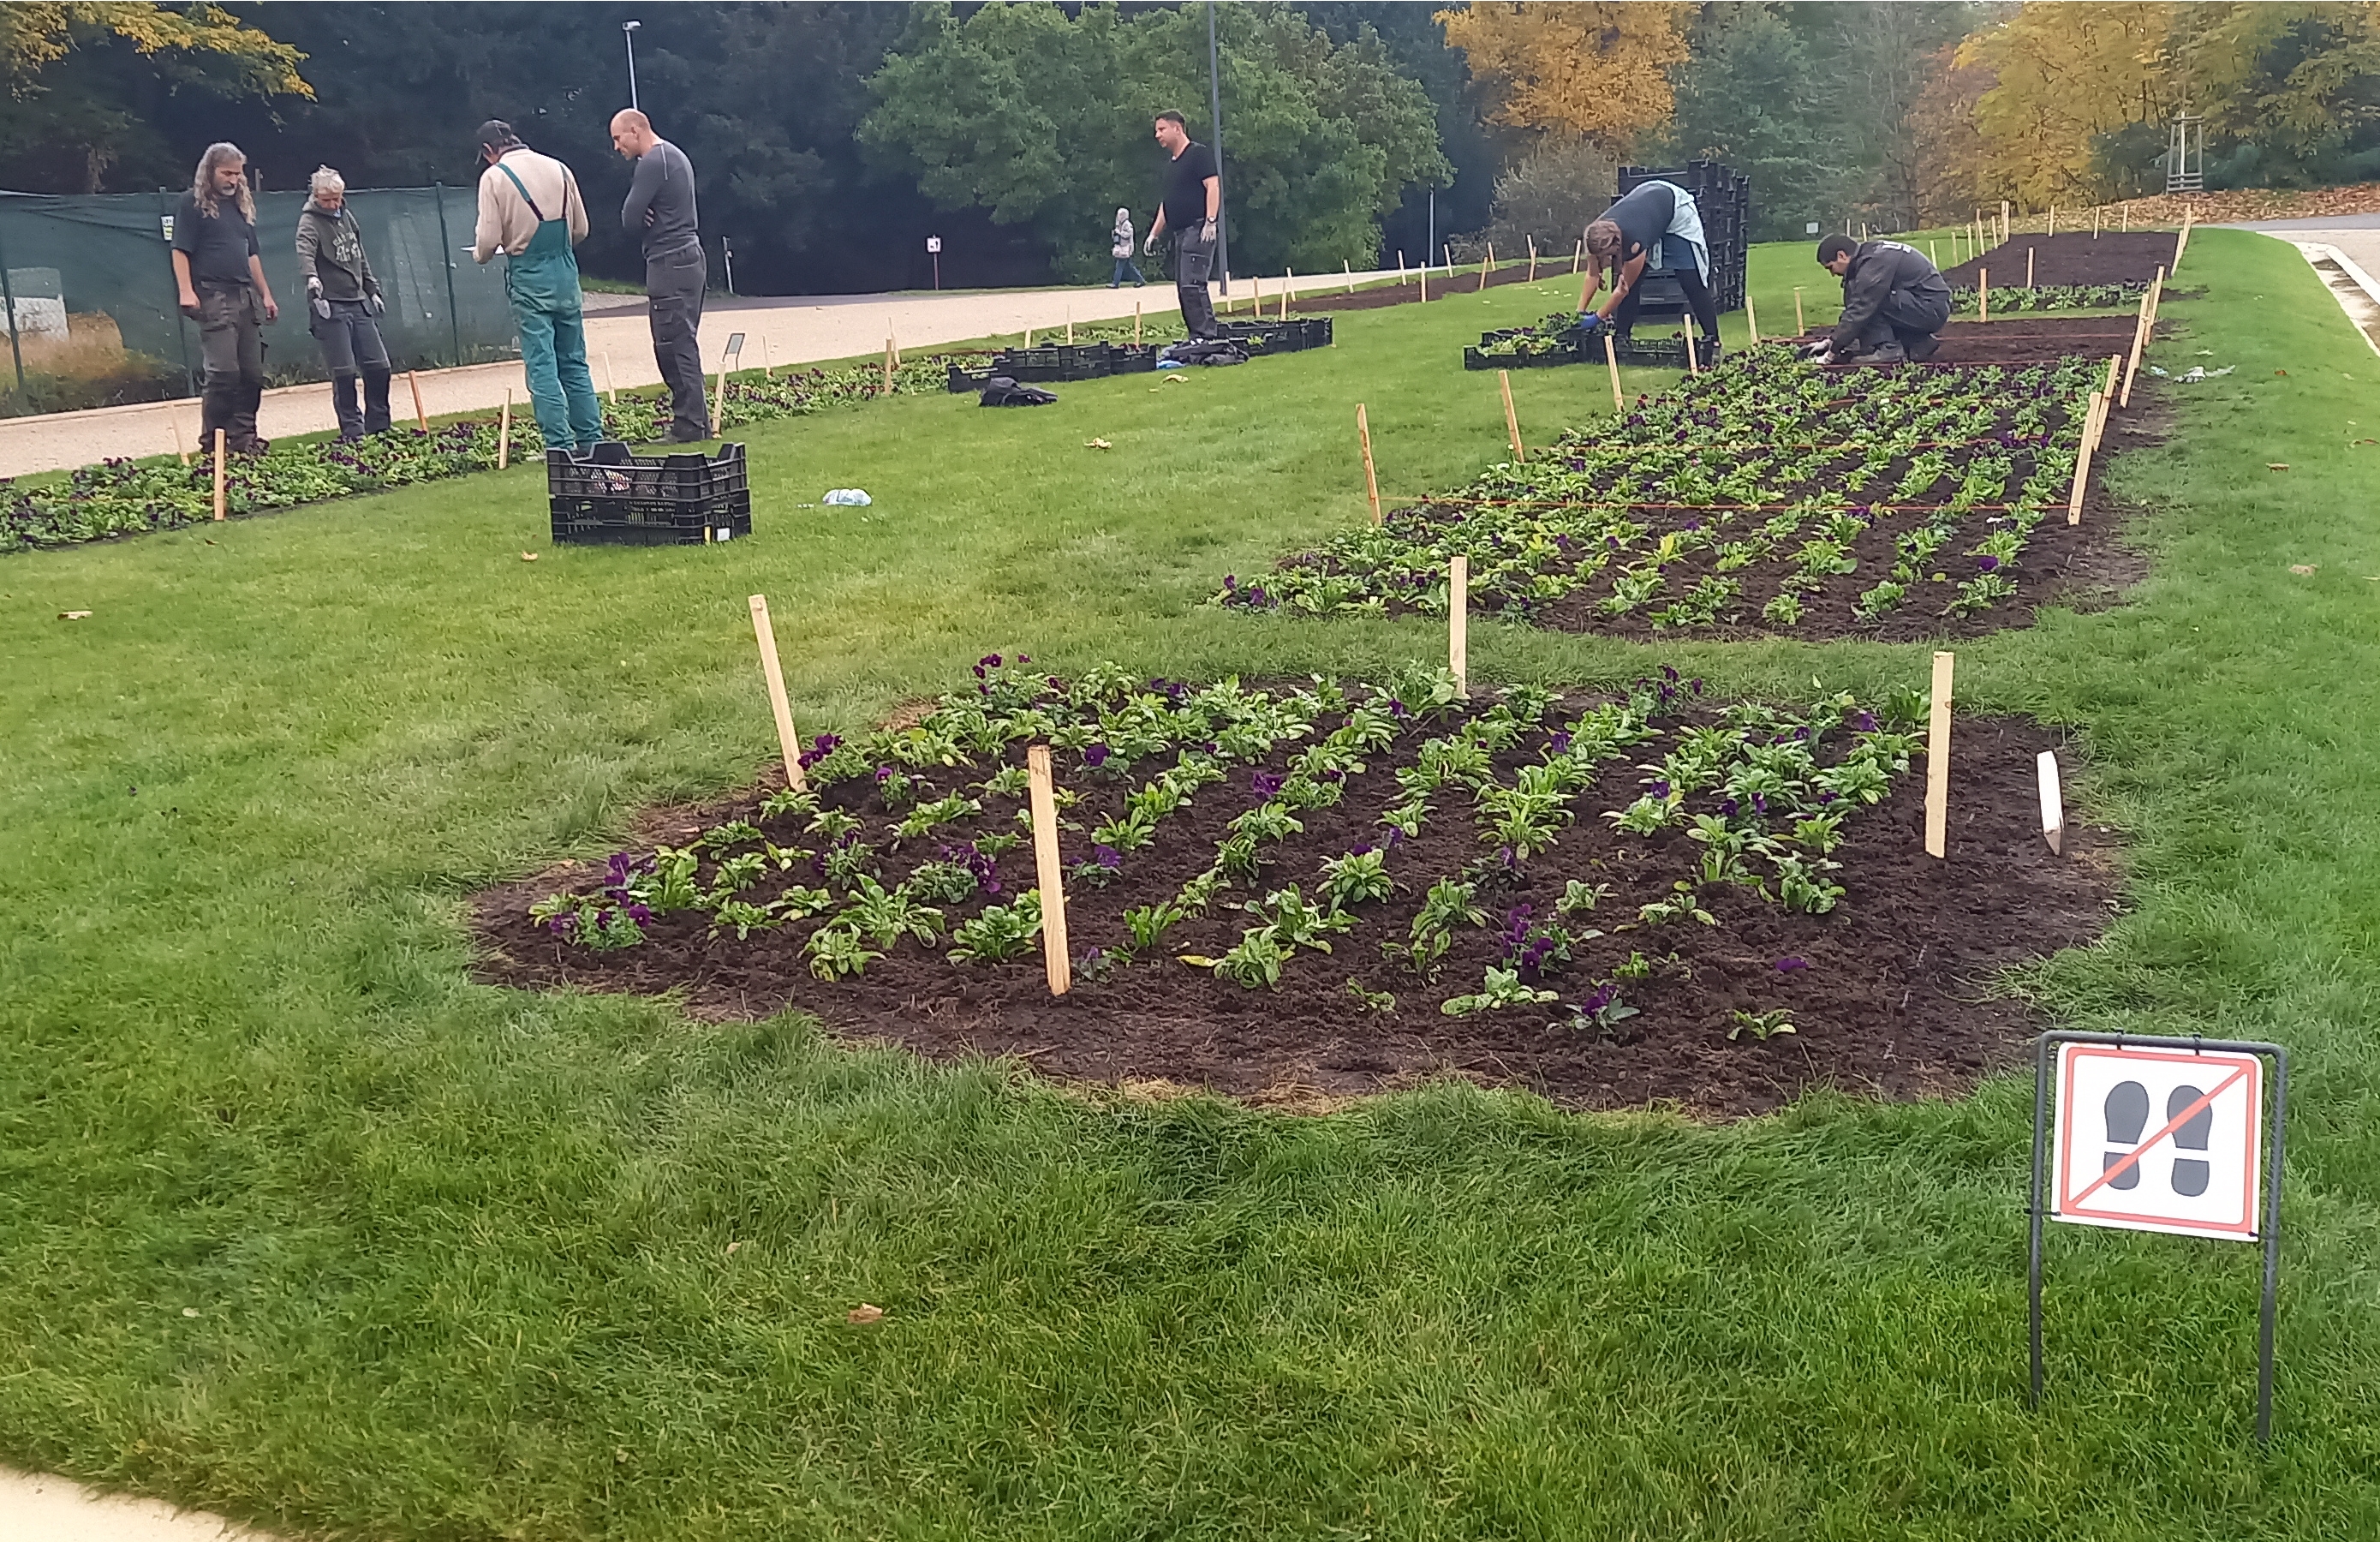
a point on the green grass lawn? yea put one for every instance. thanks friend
(299, 1224)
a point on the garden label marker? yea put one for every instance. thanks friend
(767, 373)
(1347, 270)
(1983, 294)
(2127, 212)
(1799, 330)
(1933, 256)
(2097, 210)
(2028, 267)
(2090, 420)
(1938, 760)
(1611, 361)
(1485, 263)
(1457, 623)
(1135, 323)
(1288, 288)
(1401, 267)
(788, 742)
(1424, 284)
(1371, 482)
(1750, 319)
(1692, 366)
(1512, 419)
(421, 418)
(2053, 807)
(2053, 229)
(219, 474)
(1577, 253)
(505, 432)
(2141, 337)
(1533, 259)
(1052, 877)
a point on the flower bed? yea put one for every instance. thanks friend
(1377, 875)
(2053, 297)
(122, 497)
(1768, 495)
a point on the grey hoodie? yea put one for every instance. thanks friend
(331, 248)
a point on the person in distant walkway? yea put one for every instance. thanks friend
(1193, 201)
(1119, 247)
(343, 296)
(1895, 301)
(530, 211)
(660, 208)
(1654, 226)
(219, 276)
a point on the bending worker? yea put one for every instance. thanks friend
(1655, 226)
(530, 211)
(660, 209)
(1895, 301)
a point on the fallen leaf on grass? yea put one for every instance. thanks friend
(2302, 569)
(863, 1313)
(732, 1247)
(1097, 444)
(2280, 372)
(528, 556)
(2277, 466)
(73, 615)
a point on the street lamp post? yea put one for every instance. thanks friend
(628, 34)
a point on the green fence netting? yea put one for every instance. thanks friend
(90, 293)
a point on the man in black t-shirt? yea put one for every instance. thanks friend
(219, 277)
(1194, 200)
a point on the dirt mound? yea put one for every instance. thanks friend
(2109, 257)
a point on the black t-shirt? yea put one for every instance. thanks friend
(1643, 217)
(218, 245)
(1185, 186)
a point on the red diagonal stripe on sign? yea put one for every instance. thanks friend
(2131, 1157)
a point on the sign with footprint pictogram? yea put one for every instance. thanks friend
(2157, 1139)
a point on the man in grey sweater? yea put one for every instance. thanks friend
(342, 298)
(660, 207)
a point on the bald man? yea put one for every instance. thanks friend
(660, 208)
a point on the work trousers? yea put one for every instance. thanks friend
(231, 339)
(1906, 317)
(1193, 254)
(554, 355)
(353, 353)
(674, 306)
(1699, 300)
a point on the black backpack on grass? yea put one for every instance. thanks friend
(1002, 391)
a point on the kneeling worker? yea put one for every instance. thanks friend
(1895, 301)
(1654, 226)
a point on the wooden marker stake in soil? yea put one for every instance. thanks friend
(766, 372)
(2028, 267)
(1047, 869)
(1751, 320)
(1288, 288)
(2141, 337)
(1799, 329)
(1938, 761)
(2053, 804)
(1693, 364)
(1424, 283)
(1983, 294)
(2091, 423)
(175, 422)
(1371, 482)
(505, 432)
(1485, 263)
(788, 742)
(1458, 624)
(888, 360)
(1512, 419)
(1611, 360)
(421, 418)
(1347, 272)
(1576, 254)
(2115, 366)
(1070, 339)
(2096, 210)
(1135, 323)
(1533, 259)
(718, 398)
(611, 383)
(220, 510)
(2053, 221)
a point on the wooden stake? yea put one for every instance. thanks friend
(1070, 343)
(1485, 263)
(1400, 268)
(2139, 338)
(183, 455)
(1028, 337)
(1694, 366)
(1931, 255)
(2053, 805)
(1983, 294)
(767, 374)
(2182, 242)
(1051, 876)
(1371, 480)
(1425, 285)
(611, 384)
(1611, 359)
(1799, 330)
(1512, 419)
(2083, 457)
(2053, 221)
(2028, 267)
(1750, 319)
(2156, 301)
(718, 398)
(1135, 323)
(789, 742)
(1288, 288)
(2128, 216)
(2115, 366)
(1533, 259)
(1577, 254)
(505, 432)
(1458, 624)
(888, 360)
(221, 508)
(1938, 761)
(421, 418)
(2096, 210)
(1347, 270)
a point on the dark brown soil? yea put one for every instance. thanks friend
(2067, 258)
(1890, 995)
(1440, 287)
(2033, 339)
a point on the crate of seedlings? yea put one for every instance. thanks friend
(614, 498)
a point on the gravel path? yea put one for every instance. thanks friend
(619, 349)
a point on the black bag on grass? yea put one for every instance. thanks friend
(1205, 350)
(1002, 391)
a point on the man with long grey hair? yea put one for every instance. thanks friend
(343, 294)
(219, 277)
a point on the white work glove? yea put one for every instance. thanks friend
(1148, 247)
(314, 298)
(1207, 231)
(378, 306)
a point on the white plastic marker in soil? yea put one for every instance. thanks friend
(1371, 481)
(1458, 624)
(2158, 1140)
(1047, 870)
(1938, 761)
(2053, 804)
(1512, 419)
(788, 742)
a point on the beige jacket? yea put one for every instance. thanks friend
(506, 223)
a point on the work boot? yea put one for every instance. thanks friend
(1923, 348)
(1886, 353)
(1710, 352)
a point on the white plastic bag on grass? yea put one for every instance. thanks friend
(852, 497)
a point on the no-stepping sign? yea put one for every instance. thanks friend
(2158, 1140)
(2162, 1135)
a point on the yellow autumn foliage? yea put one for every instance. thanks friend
(1598, 71)
(37, 33)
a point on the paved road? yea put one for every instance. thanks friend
(619, 350)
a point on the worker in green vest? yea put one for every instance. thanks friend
(530, 211)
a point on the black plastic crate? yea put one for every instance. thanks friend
(614, 498)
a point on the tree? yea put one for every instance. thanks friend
(1748, 96)
(1594, 70)
(2066, 76)
(1043, 118)
(84, 80)
(1551, 195)
(2298, 83)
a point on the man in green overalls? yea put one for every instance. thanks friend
(530, 211)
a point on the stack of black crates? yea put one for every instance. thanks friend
(614, 498)
(1723, 197)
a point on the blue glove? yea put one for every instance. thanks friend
(1589, 324)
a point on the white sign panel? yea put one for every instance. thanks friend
(2157, 1141)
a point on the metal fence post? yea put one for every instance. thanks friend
(446, 257)
(9, 292)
